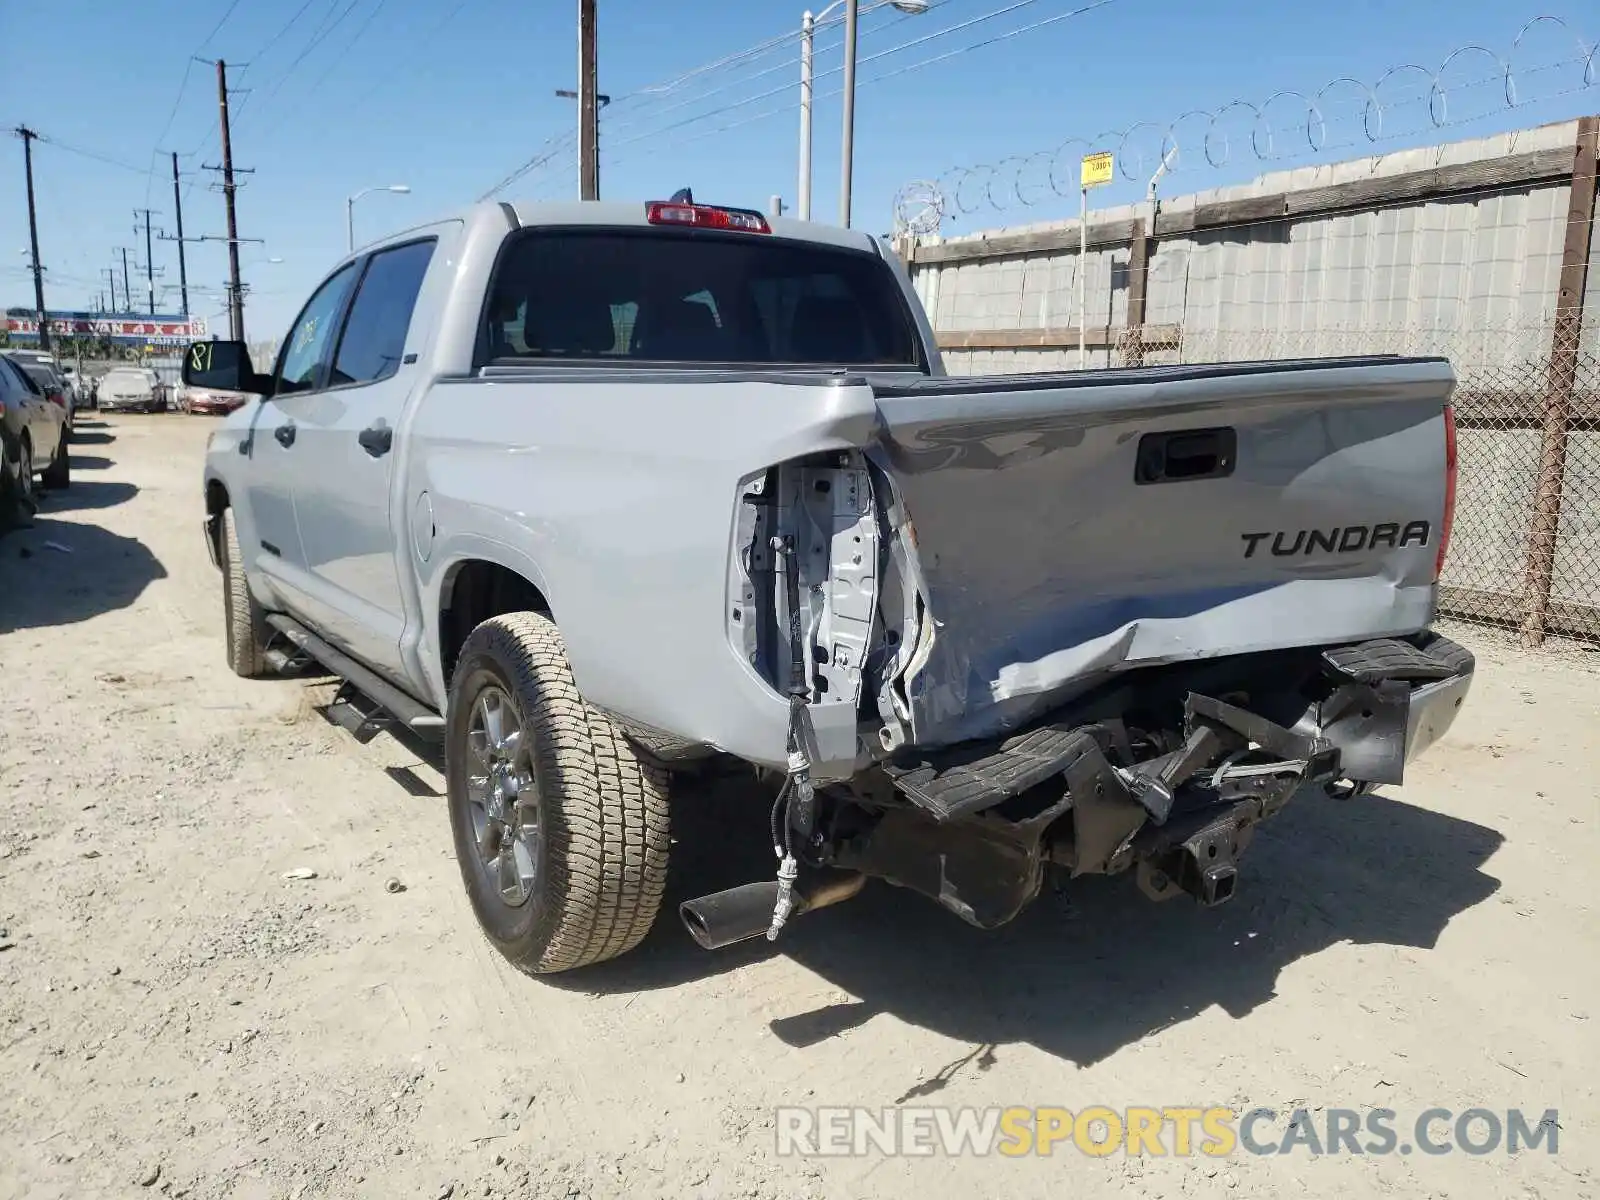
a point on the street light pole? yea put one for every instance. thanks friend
(808, 27)
(399, 189)
(848, 135)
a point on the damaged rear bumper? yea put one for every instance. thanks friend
(975, 828)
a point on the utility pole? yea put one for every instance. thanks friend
(851, 13)
(27, 135)
(235, 293)
(111, 278)
(600, 100)
(177, 208)
(127, 296)
(588, 106)
(149, 257)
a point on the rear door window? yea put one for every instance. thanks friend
(692, 296)
(23, 378)
(374, 338)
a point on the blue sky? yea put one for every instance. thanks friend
(451, 96)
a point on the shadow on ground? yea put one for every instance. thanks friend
(89, 462)
(91, 437)
(93, 571)
(86, 494)
(1091, 967)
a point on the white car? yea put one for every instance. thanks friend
(130, 389)
(77, 386)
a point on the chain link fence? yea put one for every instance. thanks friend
(1525, 552)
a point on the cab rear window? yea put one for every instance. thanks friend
(695, 297)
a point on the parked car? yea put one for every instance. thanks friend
(46, 373)
(33, 439)
(130, 389)
(79, 387)
(214, 402)
(593, 492)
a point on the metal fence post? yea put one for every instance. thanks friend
(1559, 386)
(1138, 284)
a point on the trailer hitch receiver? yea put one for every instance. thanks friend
(1204, 864)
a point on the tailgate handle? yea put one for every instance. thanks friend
(1182, 455)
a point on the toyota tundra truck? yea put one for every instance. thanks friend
(598, 493)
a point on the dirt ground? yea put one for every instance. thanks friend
(178, 1017)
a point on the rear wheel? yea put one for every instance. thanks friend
(25, 484)
(245, 627)
(561, 831)
(16, 484)
(59, 473)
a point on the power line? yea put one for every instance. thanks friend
(215, 29)
(166, 125)
(283, 29)
(657, 131)
(916, 66)
(318, 36)
(95, 155)
(759, 50)
(788, 64)
(542, 157)
(727, 60)
(558, 144)
(1001, 37)
(895, 49)
(338, 61)
(426, 42)
(183, 84)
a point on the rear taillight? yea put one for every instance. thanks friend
(56, 395)
(705, 216)
(1449, 489)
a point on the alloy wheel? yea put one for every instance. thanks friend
(503, 797)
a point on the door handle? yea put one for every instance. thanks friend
(376, 440)
(285, 434)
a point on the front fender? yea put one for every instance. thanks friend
(225, 465)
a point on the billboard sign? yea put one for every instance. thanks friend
(123, 329)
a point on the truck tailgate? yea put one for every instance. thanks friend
(1065, 528)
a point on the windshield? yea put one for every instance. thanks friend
(127, 379)
(38, 372)
(656, 295)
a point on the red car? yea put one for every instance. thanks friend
(215, 403)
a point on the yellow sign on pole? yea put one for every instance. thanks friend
(1095, 169)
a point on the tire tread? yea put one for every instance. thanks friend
(604, 808)
(244, 626)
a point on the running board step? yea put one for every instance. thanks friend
(284, 663)
(357, 715)
(399, 706)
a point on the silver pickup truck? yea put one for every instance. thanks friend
(595, 493)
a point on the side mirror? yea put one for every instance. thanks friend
(223, 366)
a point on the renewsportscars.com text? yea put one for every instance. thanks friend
(1160, 1131)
